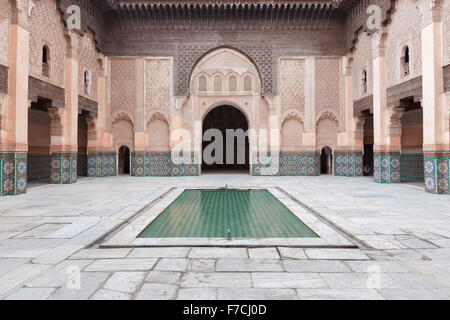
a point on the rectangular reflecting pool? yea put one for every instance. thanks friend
(211, 213)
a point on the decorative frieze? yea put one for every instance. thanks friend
(101, 165)
(295, 163)
(13, 174)
(412, 166)
(63, 168)
(161, 164)
(436, 171)
(386, 167)
(348, 163)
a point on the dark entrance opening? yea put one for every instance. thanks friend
(124, 160)
(223, 118)
(326, 160)
(368, 144)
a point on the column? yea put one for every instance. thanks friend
(311, 156)
(102, 158)
(348, 158)
(386, 149)
(14, 143)
(64, 130)
(435, 142)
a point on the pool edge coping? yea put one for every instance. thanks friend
(127, 235)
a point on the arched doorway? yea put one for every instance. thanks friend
(124, 160)
(234, 157)
(326, 160)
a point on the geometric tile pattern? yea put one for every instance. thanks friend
(13, 175)
(161, 164)
(38, 167)
(436, 172)
(287, 164)
(348, 164)
(386, 167)
(102, 165)
(63, 168)
(411, 166)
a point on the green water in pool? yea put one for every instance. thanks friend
(224, 212)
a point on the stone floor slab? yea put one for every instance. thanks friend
(122, 265)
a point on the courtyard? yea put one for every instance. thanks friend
(51, 244)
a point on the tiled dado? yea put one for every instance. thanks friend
(411, 166)
(39, 167)
(348, 164)
(286, 164)
(101, 165)
(63, 168)
(436, 171)
(386, 166)
(13, 175)
(161, 164)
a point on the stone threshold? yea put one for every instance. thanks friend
(127, 235)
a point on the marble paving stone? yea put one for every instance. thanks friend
(202, 265)
(246, 265)
(256, 294)
(172, 264)
(126, 282)
(383, 266)
(217, 253)
(263, 253)
(336, 254)
(359, 281)
(197, 294)
(413, 294)
(315, 266)
(122, 265)
(104, 294)
(59, 274)
(390, 215)
(8, 264)
(157, 291)
(442, 243)
(167, 277)
(58, 254)
(287, 280)
(339, 294)
(292, 253)
(215, 280)
(159, 253)
(101, 254)
(31, 294)
(90, 282)
(436, 254)
(19, 276)
(406, 255)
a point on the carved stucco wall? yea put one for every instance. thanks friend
(158, 132)
(158, 74)
(123, 87)
(326, 134)
(292, 84)
(221, 64)
(123, 133)
(446, 21)
(5, 18)
(46, 28)
(188, 56)
(291, 133)
(87, 55)
(404, 29)
(362, 59)
(328, 86)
